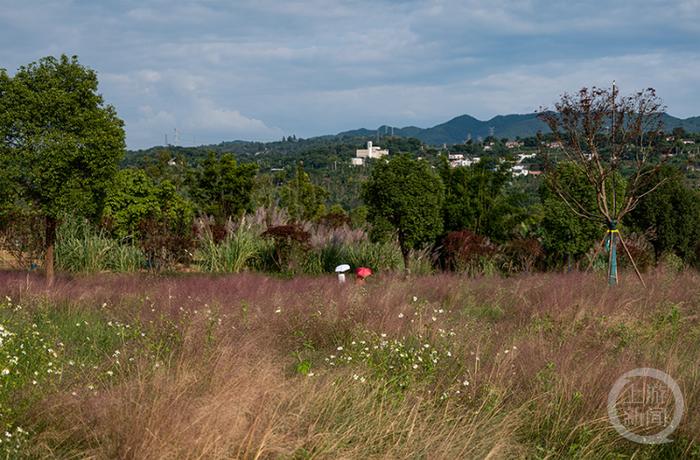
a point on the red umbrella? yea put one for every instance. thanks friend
(363, 272)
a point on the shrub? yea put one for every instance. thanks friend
(642, 252)
(165, 245)
(290, 243)
(465, 251)
(21, 239)
(522, 255)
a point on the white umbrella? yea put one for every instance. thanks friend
(340, 270)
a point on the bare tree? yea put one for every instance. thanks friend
(599, 131)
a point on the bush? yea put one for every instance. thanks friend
(465, 251)
(165, 245)
(290, 244)
(522, 255)
(23, 237)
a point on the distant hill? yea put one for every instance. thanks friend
(457, 130)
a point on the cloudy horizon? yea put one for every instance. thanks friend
(260, 70)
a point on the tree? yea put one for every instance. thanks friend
(133, 197)
(671, 215)
(303, 199)
(223, 187)
(564, 233)
(599, 130)
(406, 196)
(477, 198)
(59, 143)
(154, 215)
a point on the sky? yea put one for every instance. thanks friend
(221, 70)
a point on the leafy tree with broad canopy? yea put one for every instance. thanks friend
(405, 195)
(133, 198)
(60, 144)
(223, 187)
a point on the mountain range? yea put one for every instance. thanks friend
(460, 128)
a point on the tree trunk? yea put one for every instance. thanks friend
(405, 253)
(50, 243)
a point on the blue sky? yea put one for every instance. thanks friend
(262, 69)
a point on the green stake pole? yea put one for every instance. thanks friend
(612, 261)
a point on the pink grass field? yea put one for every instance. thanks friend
(249, 376)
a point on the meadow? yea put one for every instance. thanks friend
(254, 366)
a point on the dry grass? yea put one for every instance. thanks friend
(549, 348)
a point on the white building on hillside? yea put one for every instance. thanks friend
(519, 170)
(457, 160)
(370, 152)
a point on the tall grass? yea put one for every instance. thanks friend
(261, 367)
(81, 248)
(378, 256)
(237, 252)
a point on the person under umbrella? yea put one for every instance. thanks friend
(362, 273)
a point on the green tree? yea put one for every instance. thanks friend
(224, 188)
(133, 197)
(478, 198)
(59, 143)
(565, 234)
(671, 215)
(406, 196)
(303, 199)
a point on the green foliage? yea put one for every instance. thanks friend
(671, 214)
(303, 199)
(480, 199)
(133, 197)
(59, 143)
(564, 233)
(223, 187)
(406, 196)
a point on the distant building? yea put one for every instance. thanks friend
(519, 170)
(457, 160)
(525, 156)
(371, 151)
(513, 144)
(688, 142)
(555, 145)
